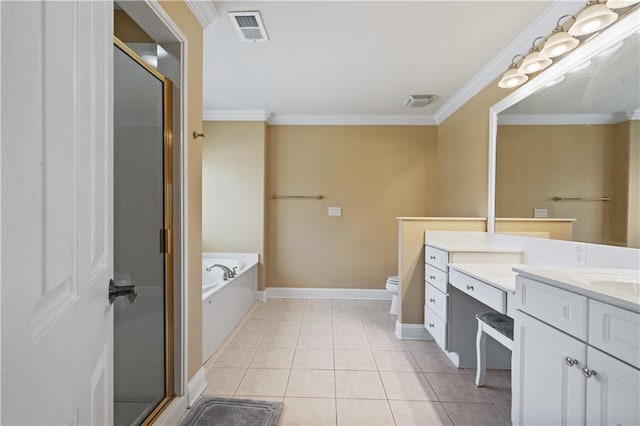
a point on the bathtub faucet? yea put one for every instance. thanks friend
(227, 273)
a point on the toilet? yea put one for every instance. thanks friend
(392, 287)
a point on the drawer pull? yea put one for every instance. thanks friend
(432, 300)
(571, 361)
(588, 373)
(431, 325)
(432, 257)
(469, 287)
(432, 277)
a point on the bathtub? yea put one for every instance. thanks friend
(224, 303)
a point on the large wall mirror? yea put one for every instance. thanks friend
(567, 143)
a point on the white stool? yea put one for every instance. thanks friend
(392, 287)
(498, 326)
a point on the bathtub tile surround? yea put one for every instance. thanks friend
(360, 374)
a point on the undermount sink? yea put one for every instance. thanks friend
(627, 282)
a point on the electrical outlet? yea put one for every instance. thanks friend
(335, 211)
(581, 253)
(539, 212)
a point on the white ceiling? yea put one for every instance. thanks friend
(356, 58)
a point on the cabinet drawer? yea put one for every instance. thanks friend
(436, 278)
(481, 291)
(615, 331)
(562, 309)
(436, 301)
(436, 257)
(436, 327)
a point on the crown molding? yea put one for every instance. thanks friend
(633, 114)
(560, 119)
(352, 120)
(204, 11)
(235, 115)
(541, 26)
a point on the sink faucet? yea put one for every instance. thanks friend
(226, 271)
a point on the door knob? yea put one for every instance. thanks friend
(570, 361)
(121, 290)
(588, 373)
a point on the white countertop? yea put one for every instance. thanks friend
(464, 242)
(602, 286)
(499, 275)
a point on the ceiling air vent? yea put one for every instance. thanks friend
(249, 26)
(419, 101)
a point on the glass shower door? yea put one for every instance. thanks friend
(141, 190)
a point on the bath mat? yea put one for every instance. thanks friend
(233, 412)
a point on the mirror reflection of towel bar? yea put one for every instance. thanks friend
(556, 198)
(298, 197)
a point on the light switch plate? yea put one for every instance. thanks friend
(539, 212)
(335, 211)
(581, 253)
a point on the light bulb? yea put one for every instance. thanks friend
(558, 44)
(512, 78)
(592, 18)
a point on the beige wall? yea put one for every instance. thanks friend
(375, 173)
(463, 155)
(233, 187)
(535, 163)
(181, 15)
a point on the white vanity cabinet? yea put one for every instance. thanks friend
(437, 304)
(562, 371)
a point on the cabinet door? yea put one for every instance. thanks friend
(546, 389)
(613, 391)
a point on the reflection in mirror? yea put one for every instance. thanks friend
(572, 150)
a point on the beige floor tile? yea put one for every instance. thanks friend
(378, 326)
(353, 359)
(435, 362)
(285, 326)
(386, 341)
(423, 346)
(375, 316)
(359, 384)
(317, 326)
(349, 326)
(247, 339)
(395, 361)
(474, 414)
(308, 411)
(505, 409)
(316, 340)
(313, 359)
(419, 413)
(455, 388)
(345, 315)
(311, 383)
(497, 388)
(363, 412)
(408, 386)
(223, 381)
(272, 358)
(259, 382)
(261, 398)
(350, 340)
(235, 357)
(255, 325)
(276, 339)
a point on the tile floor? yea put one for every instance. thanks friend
(339, 362)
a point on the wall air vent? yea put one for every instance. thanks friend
(419, 101)
(249, 26)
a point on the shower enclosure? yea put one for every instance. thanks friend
(143, 371)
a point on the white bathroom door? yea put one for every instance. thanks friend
(57, 242)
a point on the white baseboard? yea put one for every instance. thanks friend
(412, 332)
(323, 293)
(196, 386)
(174, 412)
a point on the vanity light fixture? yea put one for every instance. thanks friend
(534, 62)
(619, 4)
(560, 41)
(513, 77)
(592, 18)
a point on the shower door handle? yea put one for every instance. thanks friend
(121, 290)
